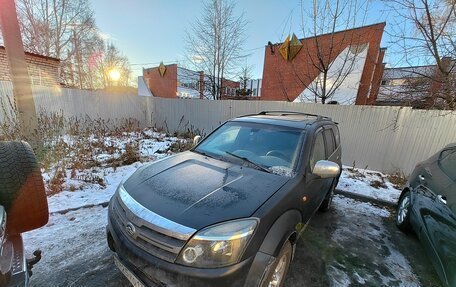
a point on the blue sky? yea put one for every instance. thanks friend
(150, 31)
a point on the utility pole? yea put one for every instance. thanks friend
(22, 88)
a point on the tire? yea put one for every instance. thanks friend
(281, 264)
(22, 190)
(326, 204)
(403, 213)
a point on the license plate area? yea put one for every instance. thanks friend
(127, 273)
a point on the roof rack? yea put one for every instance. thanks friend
(284, 113)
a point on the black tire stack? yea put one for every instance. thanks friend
(22, 190)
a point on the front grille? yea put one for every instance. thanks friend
(151, 235)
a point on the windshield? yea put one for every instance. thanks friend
(273, 148)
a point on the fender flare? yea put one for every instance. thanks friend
(283, 229)
(407, 188)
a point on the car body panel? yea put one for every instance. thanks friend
(435, 225)
(197, 191)
(432, 215)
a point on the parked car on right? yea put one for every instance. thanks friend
(427, 206)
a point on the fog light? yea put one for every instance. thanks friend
(192, 253)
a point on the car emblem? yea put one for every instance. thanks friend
(130, 229)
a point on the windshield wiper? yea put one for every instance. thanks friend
(249, 161)
(203, 153)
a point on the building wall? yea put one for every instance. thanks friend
(254, 85)
(377, 78)
(285, 80)
(188, 83)
(346, 89)
(43, 71)
(166, 86)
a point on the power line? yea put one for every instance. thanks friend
(186, 60)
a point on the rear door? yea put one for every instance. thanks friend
(436, 206)
(437, 174)
(445, 236)
(332, 150)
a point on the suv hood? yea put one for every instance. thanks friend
(197, 191)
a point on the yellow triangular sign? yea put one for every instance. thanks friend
(162, 69)
(284, 49)
(295, 46)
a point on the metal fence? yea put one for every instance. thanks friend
(75, 103)
(380, 138)
(386, 139)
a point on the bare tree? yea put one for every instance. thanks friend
(58, 28)
(424, 33)
(215, 41)
(66, 29)
(244, 78)
(111, 61)
(331, 54)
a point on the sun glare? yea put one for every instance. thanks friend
(114, 75)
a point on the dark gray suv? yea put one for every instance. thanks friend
(229, 211)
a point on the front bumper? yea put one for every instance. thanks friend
(153, 271)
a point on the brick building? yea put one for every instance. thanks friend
(171, 81)
(414, 86)
(289, 79)
(43, 71)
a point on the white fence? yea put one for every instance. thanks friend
(380, 138)
(81, 103)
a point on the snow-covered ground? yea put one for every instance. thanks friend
(372, 237)
(368, 183)
(95, 185)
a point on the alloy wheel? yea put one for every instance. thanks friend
(403, 209)
(279, 272)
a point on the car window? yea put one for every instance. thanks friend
(226, 137)
(318, 151)
(269, 146)
(336, 135)
(447, 163)
(330, 144)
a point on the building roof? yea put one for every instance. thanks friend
(36, 55)
(382, 24)
(408, 72)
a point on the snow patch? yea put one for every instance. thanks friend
(368, 183)
(282, 171)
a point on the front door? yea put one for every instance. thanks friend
(315, 188)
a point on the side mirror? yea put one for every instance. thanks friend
(196, 140)
(326, 169)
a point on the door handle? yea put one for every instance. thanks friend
(421, 178)
(442, 199)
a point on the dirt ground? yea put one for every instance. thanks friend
(354, 244)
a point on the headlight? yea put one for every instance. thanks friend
(218, 245)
